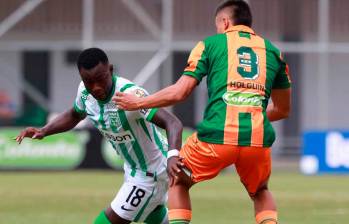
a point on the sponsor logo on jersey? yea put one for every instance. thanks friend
(243, 99)
(121, 137)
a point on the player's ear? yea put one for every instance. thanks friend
(226, 22)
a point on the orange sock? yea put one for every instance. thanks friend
(179, 216)
(267, 217)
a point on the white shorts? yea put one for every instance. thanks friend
(139, 196)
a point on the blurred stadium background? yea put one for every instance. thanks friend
(148, 41)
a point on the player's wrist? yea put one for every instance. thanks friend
(172, 153)
(43, 131)
(140, 103)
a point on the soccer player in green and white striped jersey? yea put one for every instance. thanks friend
(133, 135)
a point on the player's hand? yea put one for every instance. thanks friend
(34, 133)
(174, 167)
(126, 101)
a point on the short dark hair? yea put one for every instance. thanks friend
(240, 11)
(91, 57)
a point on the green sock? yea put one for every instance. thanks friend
(102, 219)
(157, 216)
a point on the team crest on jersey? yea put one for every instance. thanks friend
(114, 119)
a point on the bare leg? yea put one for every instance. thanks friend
(263, 200)
(114, 218)
(179, 199)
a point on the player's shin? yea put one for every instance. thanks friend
(179, 216)
(179, 202)
(102, 218)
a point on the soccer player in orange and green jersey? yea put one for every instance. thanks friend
(243, 72)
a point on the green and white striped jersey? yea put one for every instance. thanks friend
(134, 138)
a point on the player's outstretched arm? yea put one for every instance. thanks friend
(62, 123)
(165, 97)
(281, 106)
(174, 128)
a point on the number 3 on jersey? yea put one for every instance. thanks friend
(248, 63)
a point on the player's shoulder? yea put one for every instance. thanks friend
(82, 88)
(269, 46)
(127, 86)
(214, 39)
(122, 84)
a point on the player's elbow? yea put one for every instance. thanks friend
(180, 92)
(285, 112)
(179, 125)
(175, 124)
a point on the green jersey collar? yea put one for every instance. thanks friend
(241, 28)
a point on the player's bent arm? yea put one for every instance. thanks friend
(172, 94)
(281, 106)
(172, 125)
(63, 122)
(165, 97)
(174, 128)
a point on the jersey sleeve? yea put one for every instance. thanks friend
(282, 79)
(79, 103)
(147, 114)
(197, 65)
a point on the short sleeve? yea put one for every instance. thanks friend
(79, 103)
(282, 79)
(147, 114)
(197, 65)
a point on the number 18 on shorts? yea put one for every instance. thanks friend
(135, 201)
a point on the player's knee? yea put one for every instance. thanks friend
(114, 218)
(183, 180)
(255, 194)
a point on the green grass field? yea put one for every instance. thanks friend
(77, 197)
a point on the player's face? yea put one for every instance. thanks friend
(98, 80)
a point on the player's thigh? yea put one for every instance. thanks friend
(115, 218)
(254, 168)
(154, 210)
(132, 200)
(205, 160)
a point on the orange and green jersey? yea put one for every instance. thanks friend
(242, 69)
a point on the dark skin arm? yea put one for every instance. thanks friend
(174, 128)
(63, 122)
(281, 106)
